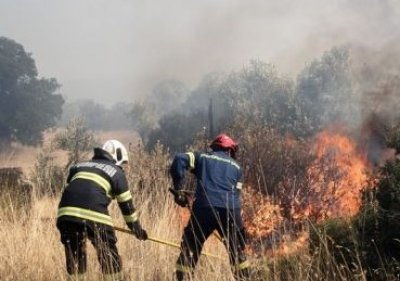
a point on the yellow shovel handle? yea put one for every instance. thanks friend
(164, 242)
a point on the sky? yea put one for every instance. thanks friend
(118, 50)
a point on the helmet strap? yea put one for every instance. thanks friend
(232, 153)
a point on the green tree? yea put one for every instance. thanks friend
(258, 95)
(28, 104)
(255, 96)
(177, 130)
(93, 113)
(167, 96)
(205, 98)
(199, 98)
(76, 139)
(324, 92)
(144, 119)
(97, 116)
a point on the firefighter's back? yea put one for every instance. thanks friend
(89, 192)
(218, 177)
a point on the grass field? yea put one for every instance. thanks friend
(30, 248)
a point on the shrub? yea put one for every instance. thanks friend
(335, 241)
(16, 191)
(76, 139)
(378, 225)
(47, 177)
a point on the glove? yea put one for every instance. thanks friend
(181, 200)
(138, 231)
(179, 197)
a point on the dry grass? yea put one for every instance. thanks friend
(30, 247)
(31, 250)
(19, 156)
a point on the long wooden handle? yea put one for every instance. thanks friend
(164, 242)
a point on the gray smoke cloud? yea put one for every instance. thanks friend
(118, 50)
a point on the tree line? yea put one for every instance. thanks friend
(325, 92)
(28, 103)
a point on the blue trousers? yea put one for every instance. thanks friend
(203, 222)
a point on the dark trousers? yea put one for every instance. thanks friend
(74, 236)
(202, 224)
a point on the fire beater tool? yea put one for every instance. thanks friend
(164, 242)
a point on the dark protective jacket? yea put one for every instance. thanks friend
(218, 178)
(90, 188)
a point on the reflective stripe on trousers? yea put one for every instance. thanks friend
(117, 276)
(77, 277)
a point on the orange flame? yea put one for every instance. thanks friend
(260, 214)
(337, 176)
(332, 188)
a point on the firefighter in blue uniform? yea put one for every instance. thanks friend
(82, 212)
(216, 205)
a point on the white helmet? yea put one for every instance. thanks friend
(117, 151)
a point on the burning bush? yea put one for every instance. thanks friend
(338, 175)
(318, 179)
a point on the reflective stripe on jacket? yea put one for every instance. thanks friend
(90, 188)
(218, 178)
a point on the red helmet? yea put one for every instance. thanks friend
(224, 142)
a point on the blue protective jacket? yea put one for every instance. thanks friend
(218, 178)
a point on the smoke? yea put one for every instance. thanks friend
(222, 36)
(376, 74)
(377, 81)
(118, 50)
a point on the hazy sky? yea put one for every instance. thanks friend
(116, 50)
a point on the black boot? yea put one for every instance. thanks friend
(180, 276)
(242, 274)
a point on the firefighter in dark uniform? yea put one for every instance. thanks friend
(216, 205)
(82, 212)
